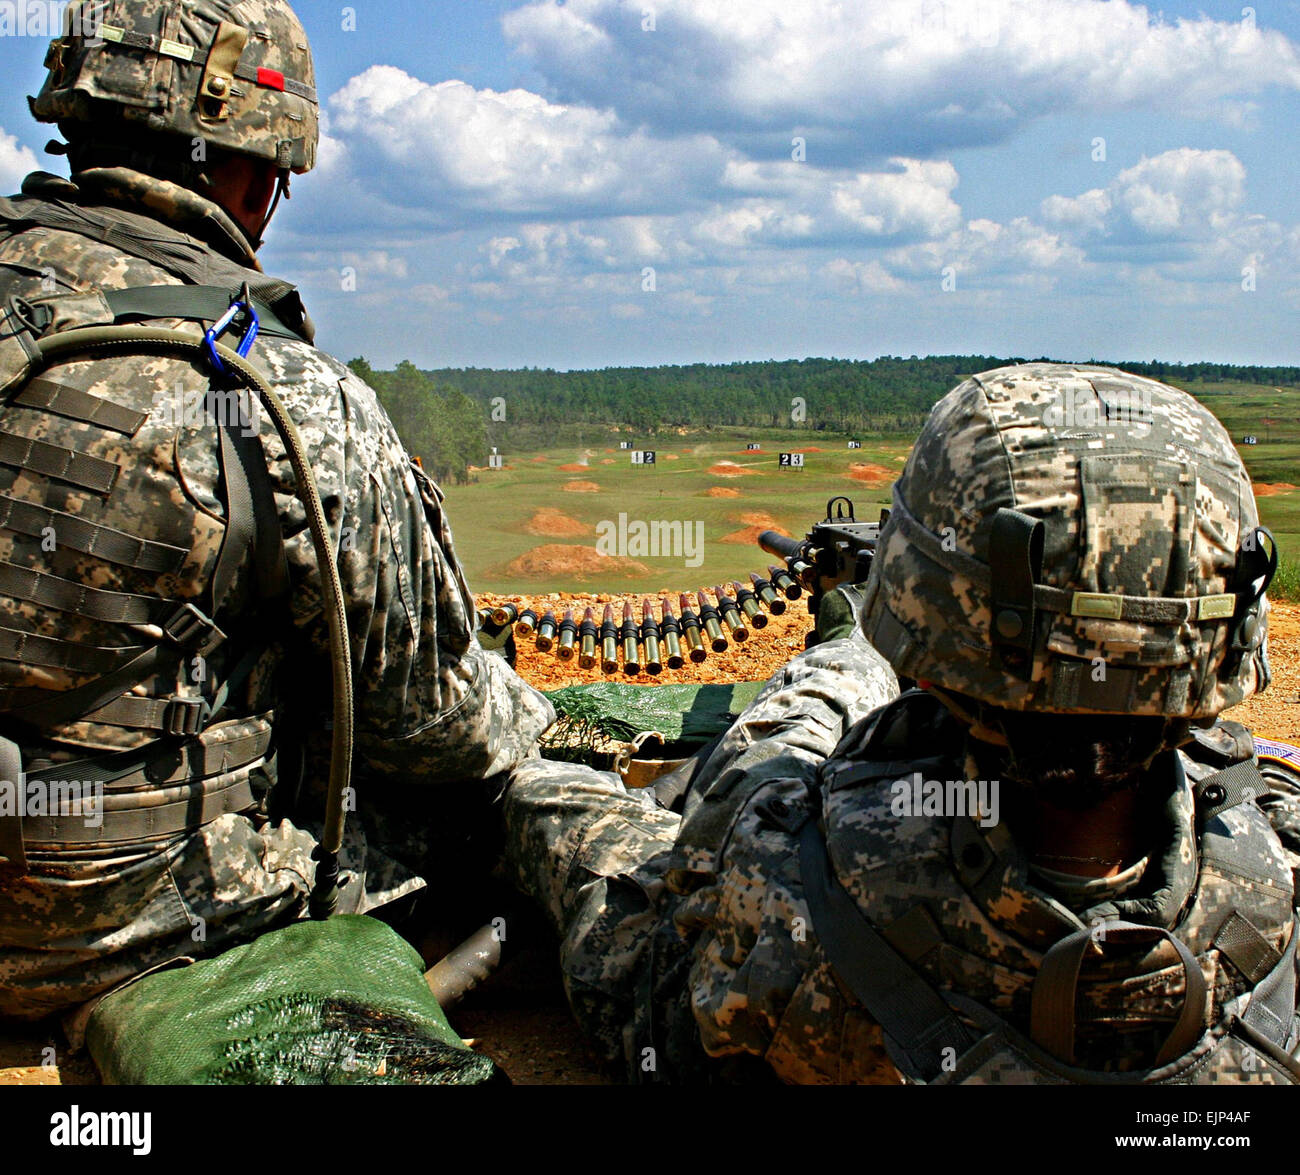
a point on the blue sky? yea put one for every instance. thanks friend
(602, 182)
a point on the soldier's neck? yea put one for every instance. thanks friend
(1099, 842)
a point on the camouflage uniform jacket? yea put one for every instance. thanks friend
(690, 951)
(435, 713)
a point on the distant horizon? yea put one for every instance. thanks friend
(1121, 364)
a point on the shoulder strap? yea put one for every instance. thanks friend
(916, 1020)
(166, 248)
(193, 303)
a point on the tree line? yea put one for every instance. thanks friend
(451, 416)
(439, 423)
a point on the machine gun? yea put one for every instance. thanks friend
(837, 550)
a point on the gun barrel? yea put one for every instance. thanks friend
(780, 545)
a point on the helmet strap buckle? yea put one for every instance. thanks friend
(1015, 563)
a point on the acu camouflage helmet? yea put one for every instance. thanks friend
(1075, 540)
(236, 75)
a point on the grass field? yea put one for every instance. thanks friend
(491, 515)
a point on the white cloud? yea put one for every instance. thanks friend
(16, 163)
(512, 154)
(1180, 195)
(877, 74)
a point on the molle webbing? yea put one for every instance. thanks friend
(51, 653)
(47, 395)
(90, 538)
(78, 469)
(64, 595)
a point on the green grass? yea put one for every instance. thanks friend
(489, 515)
(1286, 583)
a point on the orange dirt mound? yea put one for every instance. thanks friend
(809, 449)
(722, 492)
(607, 460)
(581, 563)
(581, 487)
(552, 523)
(574, 467)
(535, 459)
(671, 457)
(874, 475)
(728, 469)
(749, 536)
(759, 518)
(1266, 489)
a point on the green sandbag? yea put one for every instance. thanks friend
(687, 716)
(342, 1002)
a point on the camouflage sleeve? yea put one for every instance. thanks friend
(432, 707)
(756, 979)
(1282, 803)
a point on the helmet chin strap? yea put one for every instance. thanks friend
(281, 189)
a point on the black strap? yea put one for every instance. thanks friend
(78, 469)
(1052, 1016)
(1272, 1008)
(1246, 948)
(90, 538)
(1015, 563)
(12, 848)
(916, 1020)
(187, 630)
(193, 304)
(1226, 789)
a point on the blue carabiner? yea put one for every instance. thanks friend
(222, 325)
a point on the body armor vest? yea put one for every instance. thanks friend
(116, 575)
(976, 975)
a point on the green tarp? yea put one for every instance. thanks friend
(342, 1002)
(686, 715)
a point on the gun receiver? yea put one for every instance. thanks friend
(837, 550)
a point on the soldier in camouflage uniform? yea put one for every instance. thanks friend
(1048, 863)
(182, 117)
